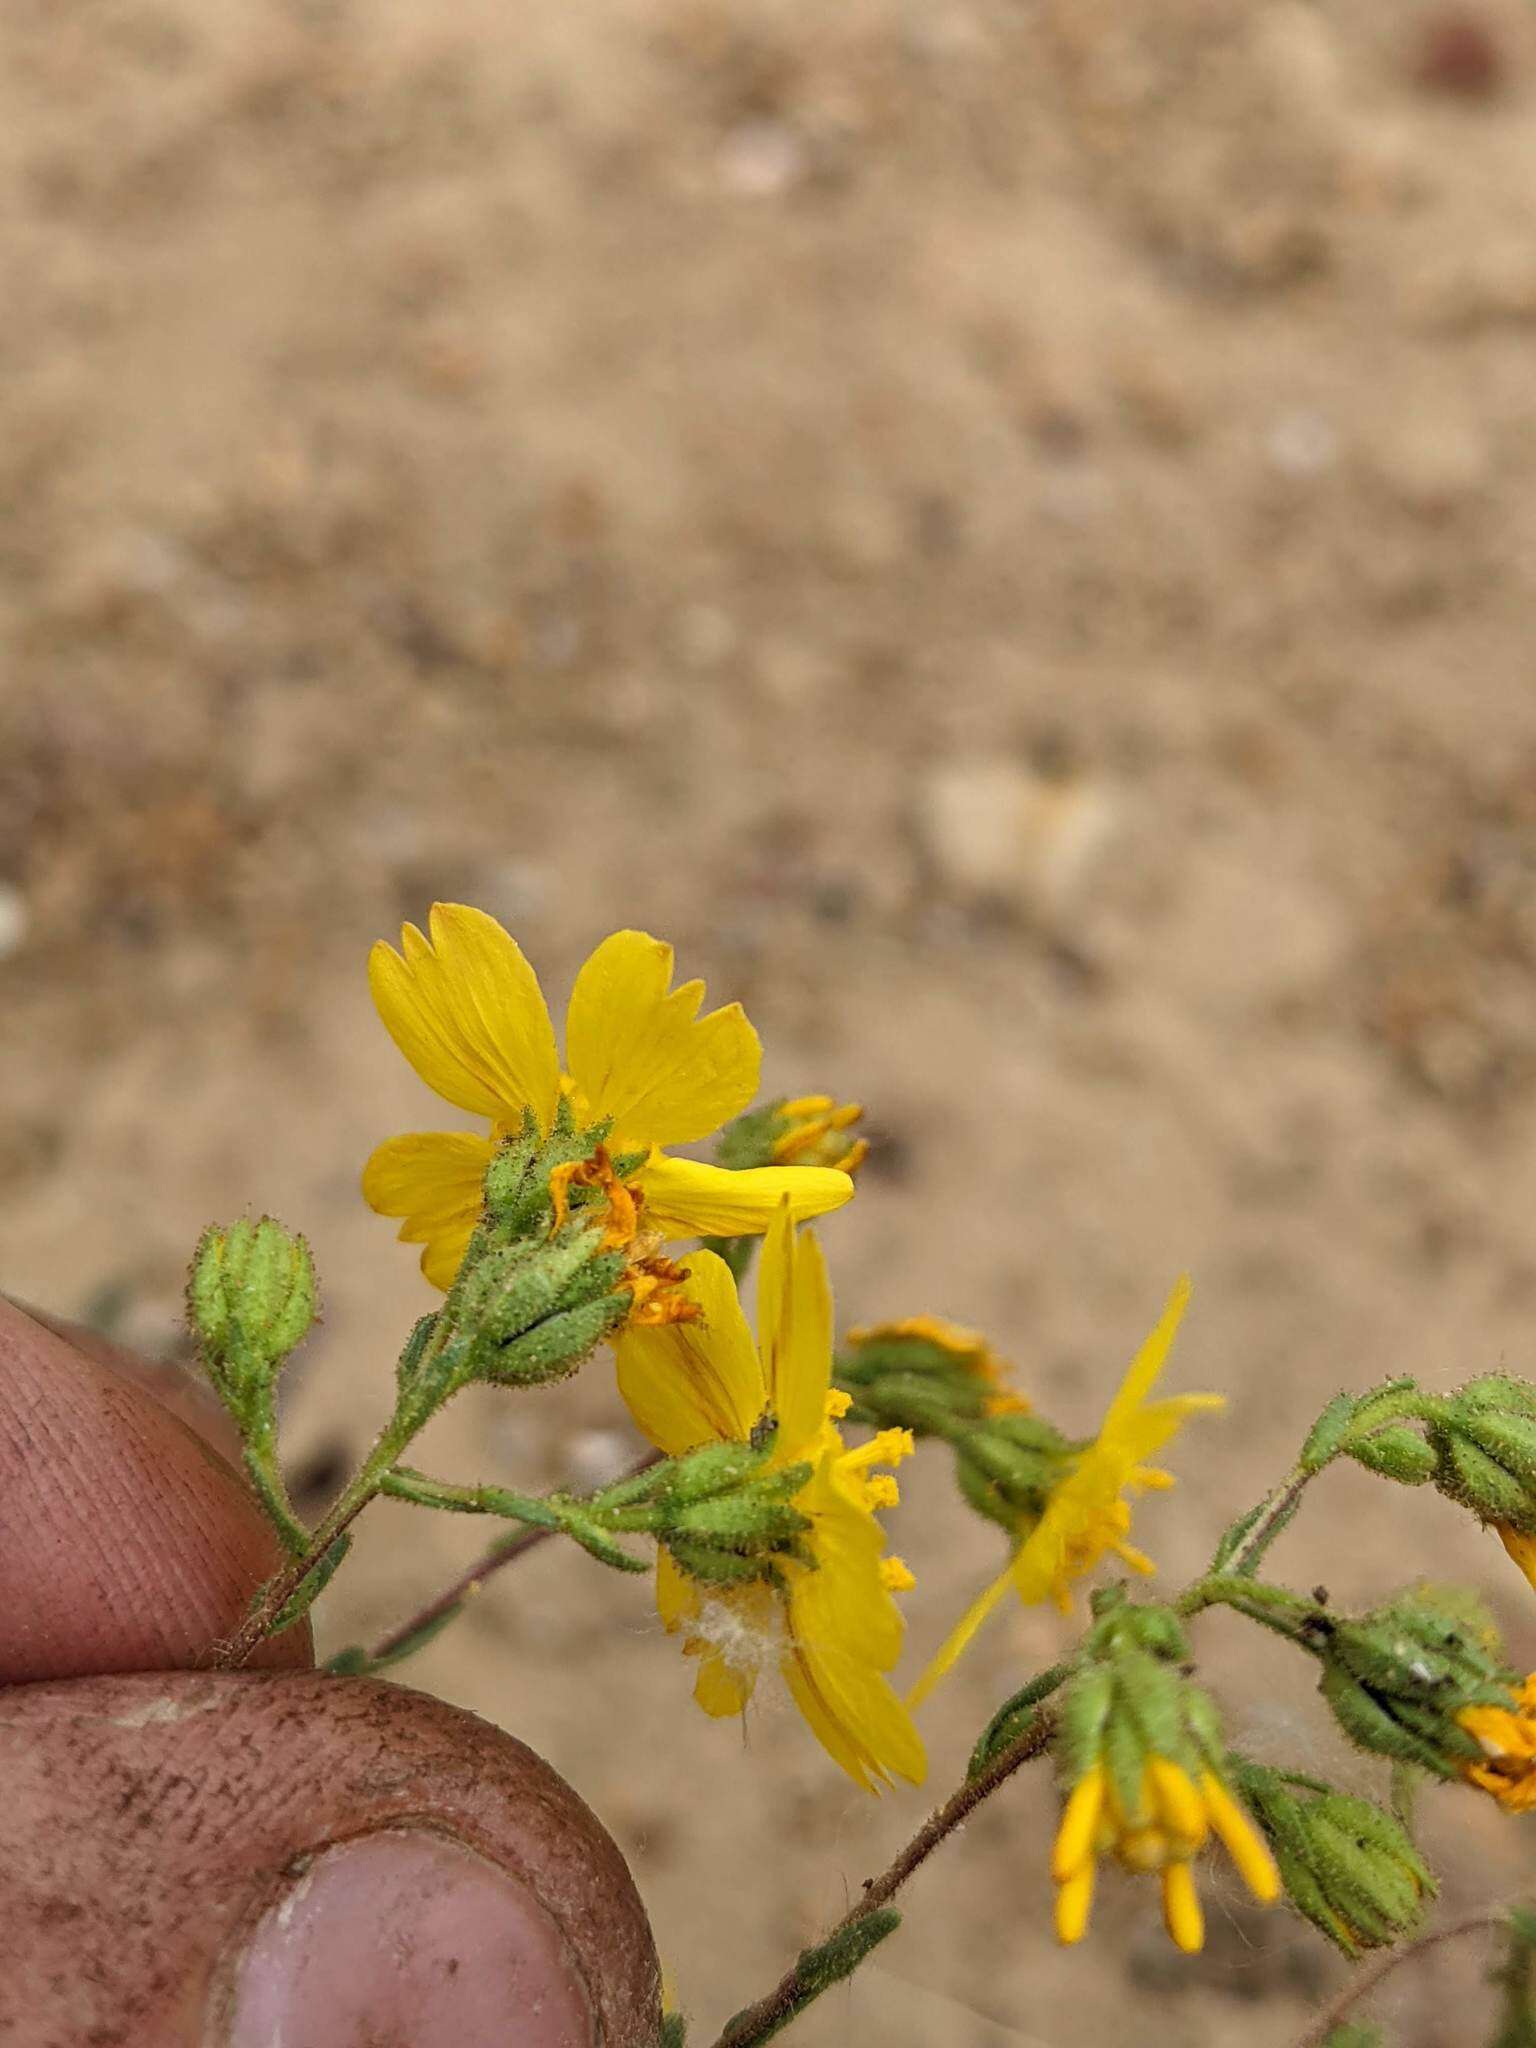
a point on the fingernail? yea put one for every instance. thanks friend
(408, 1939)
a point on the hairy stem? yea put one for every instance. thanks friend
(1366, 1979)
(758, 2022)
(506, 1550)
(1272, 1518)
(281, 1587)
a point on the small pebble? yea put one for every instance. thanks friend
(15, 920)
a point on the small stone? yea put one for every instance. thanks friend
(1000, 833)
(1302, 443)
(762, 159)
(15, 920)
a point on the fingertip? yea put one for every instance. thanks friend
(129, 1544)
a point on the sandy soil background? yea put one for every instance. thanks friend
(1003, 529)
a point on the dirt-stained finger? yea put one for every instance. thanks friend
(260, 1857)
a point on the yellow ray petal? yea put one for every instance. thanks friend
(846, 1600)
(794, 1332)
(677, 1596)
(1181, 1908)
(1149, 1361)
(720, 1689)
(955, 1643)
(466, 1010)
(855, 1716)
(1073, 1846)
(685, 1198)
(644, 1057)
(1183, 1811)
(433, 1179)
(1244, 1844)
(1074, 1901)
(695, 1383)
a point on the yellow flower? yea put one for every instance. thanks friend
(828, 1623)
(1164, 1831)
(1507, 1737)
(466, 1009)
(1087, 1515)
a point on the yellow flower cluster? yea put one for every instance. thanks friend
(1163, 1831)
(467, 1011)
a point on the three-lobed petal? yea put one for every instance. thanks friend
(644, 1056)
(465, 1008)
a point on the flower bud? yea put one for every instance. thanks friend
(1347, 1866)
(536, 1309)
(1396, 1452)
(926, 1375)
(1139, 1752)
(251, 1301)
(802, 1130)
(1484, 1438)
(726, 1514)
(1008, 1466)
(1398, 1679)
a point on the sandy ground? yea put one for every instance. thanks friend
(1004, 530)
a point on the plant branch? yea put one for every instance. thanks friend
(284, 1584)
(758, 2022)
(470, 1582)
(1365, 1980)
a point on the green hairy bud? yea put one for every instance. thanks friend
(517, 1197)
(926, 1375)
(726, 1515)
(251, 1300)
(1397, 1452)
(1484, 1439)
(1347, 1865)
(1007, 1468)
(534, 1310)
(1397, 1678)
(1130, 1697)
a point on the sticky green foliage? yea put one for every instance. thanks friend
(1007, 1467)
(1129, 1696)
(356, 1662)
(251, 1300)
(517, 1197)
(748, 1140)
(1396, 1452)
(1327, 1433)
(1397, 1678)
(1014, 1718)
(1347, 1865)
(819, 1968)
(726, 1514)
(1484, 1437)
